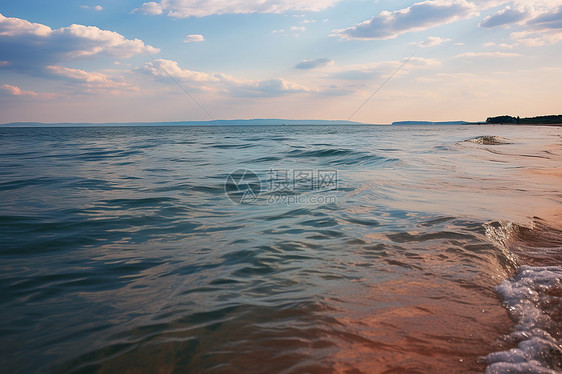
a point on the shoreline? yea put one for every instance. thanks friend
(515, 124)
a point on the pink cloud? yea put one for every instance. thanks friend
(16, 91)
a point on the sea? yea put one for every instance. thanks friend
(281, 249)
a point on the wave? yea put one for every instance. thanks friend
(488, 140)
(532, 297)
(538, 244)
(340, 156)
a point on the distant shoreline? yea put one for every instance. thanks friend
(514, 124)
(552, 119)
(286, 122)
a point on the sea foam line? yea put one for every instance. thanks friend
(531, 297)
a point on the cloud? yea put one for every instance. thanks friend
(381, 69)
(420, 16)
(292, 31)
(221, 83)
(536, 38)
(11, 27)
(194, 38)
(432, 41)
(161, 68)
(487, 54)
(28, 46)
(90, 82)
(267, 88)
(420, 62)
(364, 72)
(314, 64)
(548, 21)
(540, 22)
(203, 8)
(151, 8)
(15, 91)
(507, 16)
(97, 7)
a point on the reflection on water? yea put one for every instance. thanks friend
(121, 252)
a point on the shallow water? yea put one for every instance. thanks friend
(121, 252)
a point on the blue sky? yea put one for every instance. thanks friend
(111, 61)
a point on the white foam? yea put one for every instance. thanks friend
(527, 297)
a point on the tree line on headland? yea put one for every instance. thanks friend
(553, 119)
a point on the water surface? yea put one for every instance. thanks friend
(121, 252)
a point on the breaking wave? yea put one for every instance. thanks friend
(532, 297)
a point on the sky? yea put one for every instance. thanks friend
(370, 61)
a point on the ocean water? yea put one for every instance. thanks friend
(290, 249)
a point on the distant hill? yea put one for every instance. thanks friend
(231, 122)
(429, 123)
(545, 120)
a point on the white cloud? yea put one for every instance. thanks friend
(38, 50)
(267, 88)
(161, 67)
(15, 91)
(28, 46)
(314, 64)
(507, 16)
(203, 8)
(95, 41)
(432, 41)
(362, 72)
(487, 54)
(11, 27)
(151, 8)
(194, 38)
(420, 16)
(536, 38)
(89, 81)
(549, 20)
(292, 31)
(540, 20)
(221, 83)
(97, 7)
